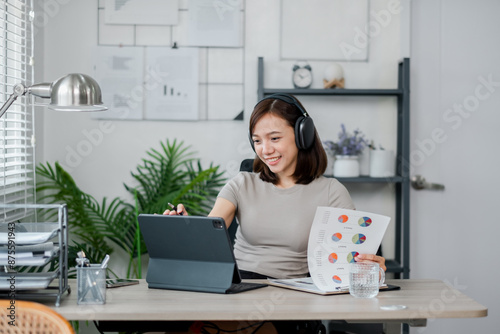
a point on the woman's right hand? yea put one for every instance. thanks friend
(176, 210)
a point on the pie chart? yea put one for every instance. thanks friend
(351, 256)
(336, 279)
(332, 258)
(343, 218)
(365, 221)
(359, 238)
(336, 237)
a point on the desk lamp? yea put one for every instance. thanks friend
(72, 92)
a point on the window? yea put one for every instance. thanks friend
(17, 175)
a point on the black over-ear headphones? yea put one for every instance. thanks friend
(304, 126)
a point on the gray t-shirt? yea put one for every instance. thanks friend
(274, 223)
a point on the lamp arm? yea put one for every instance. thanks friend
(19, 90)
(41, 90)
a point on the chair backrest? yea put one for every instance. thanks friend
(33, 318)
(245, 166)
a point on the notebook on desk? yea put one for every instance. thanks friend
(191, 253)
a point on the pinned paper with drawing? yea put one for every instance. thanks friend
(143, 12)
(119, 73)
(215, 23)
(172, 94)
(337, 236)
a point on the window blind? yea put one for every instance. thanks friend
(17, 175)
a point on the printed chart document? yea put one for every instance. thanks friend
(337, 236)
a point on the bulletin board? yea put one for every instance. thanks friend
(200, 43)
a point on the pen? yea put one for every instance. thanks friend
(105, 261)
(173, 207)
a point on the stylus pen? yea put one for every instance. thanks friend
(173, 207)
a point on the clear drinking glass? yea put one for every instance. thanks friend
(365, 279)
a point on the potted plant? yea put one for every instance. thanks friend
(347, 150)
(168, 174)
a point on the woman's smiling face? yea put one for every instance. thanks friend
(274, 142)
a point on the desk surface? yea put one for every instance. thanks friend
(424, 299)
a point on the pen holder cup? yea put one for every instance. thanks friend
(91, 285)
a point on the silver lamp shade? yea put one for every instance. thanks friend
(76, 92)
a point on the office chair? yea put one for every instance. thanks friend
(245, 166)
(32, 318)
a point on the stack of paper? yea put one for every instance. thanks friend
(29, 255)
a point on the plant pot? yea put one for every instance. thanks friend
(382, 163)
(346, 166)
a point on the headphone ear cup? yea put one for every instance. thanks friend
(304, 132)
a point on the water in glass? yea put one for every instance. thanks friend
(364, 280)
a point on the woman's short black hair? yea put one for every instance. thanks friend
(311, 163)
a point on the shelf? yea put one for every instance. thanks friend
(33, 250)
(336, 91)
(393, 266)
(367, 179)
(27, 281)
(29, 233)
(401, 266)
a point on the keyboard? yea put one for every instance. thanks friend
(244, 286)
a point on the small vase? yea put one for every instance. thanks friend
(382, 163)
(346, 166)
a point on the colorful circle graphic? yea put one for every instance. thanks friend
(343, 219)
(365, 221)
(337, 237)
(351, 256)
(336, 279)
(359, 238)
(332, 258)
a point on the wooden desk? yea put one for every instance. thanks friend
(424, 299)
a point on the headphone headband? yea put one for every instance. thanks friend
(304, 125)
(288, 99)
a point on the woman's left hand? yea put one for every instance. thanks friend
(371, 258)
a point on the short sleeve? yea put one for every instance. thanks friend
(339, 196)
(231, 190)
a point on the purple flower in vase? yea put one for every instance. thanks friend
(349, 144)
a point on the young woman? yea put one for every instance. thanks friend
(275, 205)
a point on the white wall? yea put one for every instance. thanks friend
(71, 33)
(118, 151)
(454, 232)
(439, 61)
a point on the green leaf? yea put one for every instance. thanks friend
(168, 174)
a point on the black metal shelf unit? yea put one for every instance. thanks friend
(400, 265)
